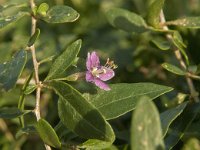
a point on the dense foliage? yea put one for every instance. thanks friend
(56, 92)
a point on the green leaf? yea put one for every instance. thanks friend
(188, 22)
(173, 69)
(123, 97)
(10, 113)
(126, 20)
(181, 124)
(34, 37)
(42, 9)
(22, 98)
(61, 14)
(93, 144)
(146, 132)
(29, 89)
(168, 116)
(177, 37)
(4, 21)
(192, 144)
(78, 115)
(10, 71)
(47, 133)
(26, 130)
(64, 60)
(162, 44)
(153, 15)
(178, 42)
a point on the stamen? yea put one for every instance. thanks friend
(110, 64)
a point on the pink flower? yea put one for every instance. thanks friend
(97, 73)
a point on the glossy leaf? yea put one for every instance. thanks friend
(78, 115)
(34, 37)
(188, 22)
(126, 20)
(4, 21)
(146, 132)
(47, 133)
(10, 71)
(161, 44)
(153, 15)
(10, 113)
(123, 97)
(61, 14)
(180, 125)
(63, 61)
(168, 116)
(173, 69)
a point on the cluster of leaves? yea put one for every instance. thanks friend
(76, 115)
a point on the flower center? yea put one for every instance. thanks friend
(103, 70)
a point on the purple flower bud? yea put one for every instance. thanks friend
(97, 73)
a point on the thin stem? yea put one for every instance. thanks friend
(178, 56)
(193, 76)
(36, 65)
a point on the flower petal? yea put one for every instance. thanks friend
(88, 62)
(89, 77)
(109, 73)
(101, 84)
(92, 61)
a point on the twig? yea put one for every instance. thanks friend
(178, 56)
(36, 65)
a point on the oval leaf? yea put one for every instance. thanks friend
(61, 14)
(10, 71)
(162, 44)
(10, 113)
(153, 15)
(173, 69)
(64, 60)
(47, 133)
(79, 115)
(168, 116)
(126, 20)
(4, 21)
(123, 97)
(146, 133)
(188, 22)
(42, 9)
(34, 37)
